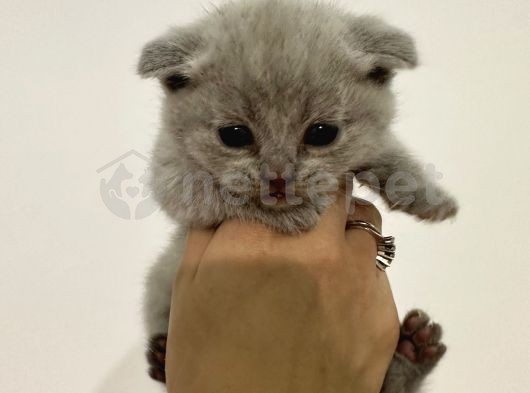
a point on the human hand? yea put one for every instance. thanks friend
(258, 311)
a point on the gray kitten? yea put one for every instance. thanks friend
(268, 106)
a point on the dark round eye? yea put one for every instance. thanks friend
(320, 134)
(236, 136)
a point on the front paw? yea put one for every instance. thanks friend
(425, 210)
(430, 204)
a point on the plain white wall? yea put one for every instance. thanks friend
(71, 271)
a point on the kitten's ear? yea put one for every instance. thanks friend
(169, 57)
(385, 47)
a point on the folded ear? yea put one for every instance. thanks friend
(385, 47)
(169, 57)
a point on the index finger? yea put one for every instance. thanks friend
(359, 240)
(363, 211)
(333, 220)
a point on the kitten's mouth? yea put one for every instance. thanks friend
(277, 189)
(277, 195)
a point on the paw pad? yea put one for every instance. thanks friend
(420, 339)
(156, 357)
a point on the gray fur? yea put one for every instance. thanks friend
(277, 66)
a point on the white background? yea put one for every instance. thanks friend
(71, 272)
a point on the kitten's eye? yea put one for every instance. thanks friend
(176, 81)
(236, 136)
(320, 134)
(379, 75)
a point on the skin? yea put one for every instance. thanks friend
(257, 311)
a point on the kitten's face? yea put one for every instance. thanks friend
(305, 122)
(275, 113)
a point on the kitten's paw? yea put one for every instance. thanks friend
(418, 351)
(156, 357)
(447, 209)
(420, 340)
(427, 211)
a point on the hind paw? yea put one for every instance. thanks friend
(156, 357)
(420, 340)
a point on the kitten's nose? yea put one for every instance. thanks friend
(272, 171)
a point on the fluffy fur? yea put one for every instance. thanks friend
(276, 66)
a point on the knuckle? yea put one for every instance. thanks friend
(329, 260)
(366, 211)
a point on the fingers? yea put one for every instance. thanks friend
(365, 211)
(333, 220)
(235, 236)
(360, 239)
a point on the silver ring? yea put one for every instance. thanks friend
(386, 249)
